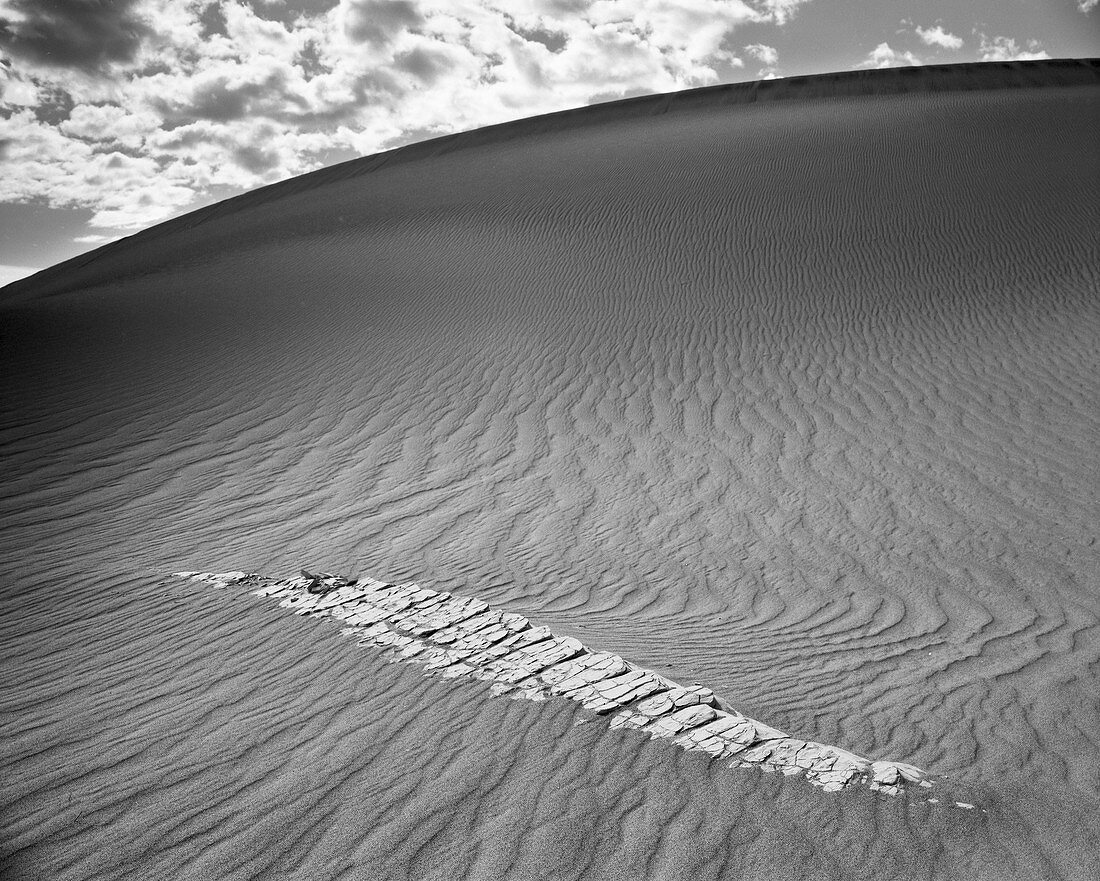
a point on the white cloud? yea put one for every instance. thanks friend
(883, 56)
(158, 102)
(766, 55)
(94, 239)
(937, 36)
(16, 90)
(8, 274)
(111, 123)
(781, 11)
(1005, 49)
(1087, 5)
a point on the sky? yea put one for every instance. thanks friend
(118, 114)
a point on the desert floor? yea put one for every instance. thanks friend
(791, 390)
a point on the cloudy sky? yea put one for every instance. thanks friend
(118, 114)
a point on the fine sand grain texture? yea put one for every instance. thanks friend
(792, 390)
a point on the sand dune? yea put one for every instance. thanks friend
(786, 389)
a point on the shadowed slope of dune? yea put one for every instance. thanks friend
(796, 398)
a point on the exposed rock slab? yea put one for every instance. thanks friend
(462, 637)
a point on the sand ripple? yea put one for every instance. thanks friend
(796, 398)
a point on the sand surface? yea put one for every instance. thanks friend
(795, 396)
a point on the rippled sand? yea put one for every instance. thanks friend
(788, 389)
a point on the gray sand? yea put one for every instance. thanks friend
(796, 398)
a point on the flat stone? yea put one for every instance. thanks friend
(628, 719)
(480, 621)
(365, 615)
(527, 637)
(437, 659)
(641, 683)
(583, 672)
(676, 698)
(462, 637)
(271, 590)
(910, 773)
(699, 739)
(514, 622)
(533, 659)
(784, 752)
(754, 755)
(689, 717)
(885, 773)
(457, 670)
(664, 726)
(599, 705)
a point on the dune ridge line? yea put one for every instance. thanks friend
(454, 637)
(959, 77)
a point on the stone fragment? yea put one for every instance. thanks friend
(629, 719)
(674, 723)
(784, 752)
(514, 622)
(524, 638)
(437, 658)
(456, 670)
(719, 736)
(480, 621)
(675, 699)
(373, 630)
(413, 649)
(909, 773)
(585, 670)
(632, 686)
(754, 755)
(885, 773)
(531, 693)
(462, 637)
(272, 590)
(608, 694)
(364, 615)
(337, 598)
(533, 659)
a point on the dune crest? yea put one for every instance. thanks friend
(458, 637)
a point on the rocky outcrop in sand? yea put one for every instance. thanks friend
(462, 637)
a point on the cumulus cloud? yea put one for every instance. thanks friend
(8, 274)
(781, 11)
(135, 109)
(1087, 5)
(1005, 49)
(15, 89)
(377, 22)
(82, 34)
(766, 55)
(937, 36)
(95, 239)
(883, 56)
